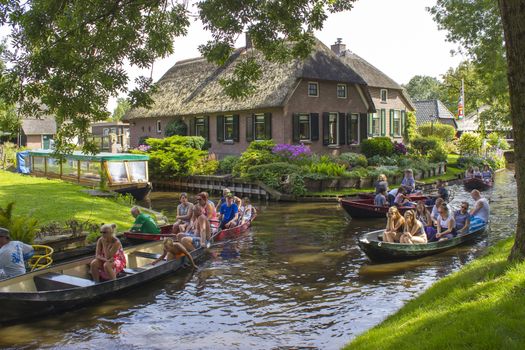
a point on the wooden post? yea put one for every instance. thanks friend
(78, 171)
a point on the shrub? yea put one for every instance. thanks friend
(266, 145)
(327, 168)
(381, 146)
(21, 227)
(423, 145)
(254, 155)
(354, 159)
(399, 148)
(494, 160)
(438, 155)
(379, 160)
(469, 144)
(284, 177)
(292, 152)
(497, 141)
(444, 132)
(410, 131)
(226, 165)
(176, 127)
(206, 167)
(8, 155)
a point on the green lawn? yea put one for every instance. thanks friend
(479, 307)
(56, 200)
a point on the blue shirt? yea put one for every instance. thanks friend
(228, 212)
(380, 200)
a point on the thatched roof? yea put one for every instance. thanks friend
(35, 126)
(192, 86)
(373, 76)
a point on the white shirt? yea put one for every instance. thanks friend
(12, 258)
(484, 212)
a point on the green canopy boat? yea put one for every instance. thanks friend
(121, 172)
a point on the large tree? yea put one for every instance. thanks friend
(513, 13)
(67, 57)
(423, 87)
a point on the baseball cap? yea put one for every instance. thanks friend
(4, 232)
(229, 195)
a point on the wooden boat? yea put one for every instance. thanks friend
(365, 209)
(120, 172)
(476, 184)
(68, 286)
(377, 250)
(166, 232)
(413, 197)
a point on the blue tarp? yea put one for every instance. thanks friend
(23, 162)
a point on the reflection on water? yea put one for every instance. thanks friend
(298, 279)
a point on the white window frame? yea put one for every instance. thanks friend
(358, 129)
(159, 127)
(309, 139)
(337, 141)
(255, 126)
(308, 88)
(381, 95)
(345, 88)
(197, 124)
(398, 112)
(226, 118)
(378, 117)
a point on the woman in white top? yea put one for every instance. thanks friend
(446, 225)
(247, 211)
(414, 231)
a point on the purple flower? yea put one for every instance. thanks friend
(143, 148)
(399, 148)
(291, 152)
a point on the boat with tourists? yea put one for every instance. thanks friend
(476, 184)
(377, 250)
(68, 286)
(119, 172)
(366, 209)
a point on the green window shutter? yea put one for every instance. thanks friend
(342, 128)
(295, 127)
(193, 122)
(403, 122)
(235, 128)
(207, 128)
(370, 124)
(314, 126)
(391, 122)
(268, 125)
(249, 128)
(220, 128)
(326, 132)
(383, 122)
(348, 128)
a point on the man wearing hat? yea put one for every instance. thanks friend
(13, 255)
(228, 212)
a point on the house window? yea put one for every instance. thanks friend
(143, 128)
(260, 127)
(375, 124)
(200, 127)
(384, 95)
(341, 90)
(304, 127)
(228, 128)
(333, 129)
(396, 123)
(105, 131)
(353, 129)
(159, 127)
(313, 89)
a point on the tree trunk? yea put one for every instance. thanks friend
(513, 15)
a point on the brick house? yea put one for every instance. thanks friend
(390, 100)
(320, 101)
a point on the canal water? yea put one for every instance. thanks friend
(296, 280)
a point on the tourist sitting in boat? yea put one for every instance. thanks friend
(380, 198)
(394, 226)
(401, 198)
(13, 255)
(208, 209)
(481, 208)
(109, 256)
(381, 183)
(228, 213)
(200, 231)
(422, 214)
(391, 196)
(477, 173)
(183, 213)
(247, 211)
(174, 250)
(469, 174)
(446, 228)
(462, 218)
(442, 190)
(408, 182)
(225, 193)
(143, 222)
(435, 210)
(486, 174)
(414, 231)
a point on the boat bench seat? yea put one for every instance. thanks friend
(132, 271)
(146, 255)
(56, 281)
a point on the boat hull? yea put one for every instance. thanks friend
(476, 184)
(377, 250)
(139, 193)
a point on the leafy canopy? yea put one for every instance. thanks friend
(423, 87)
(67, 58)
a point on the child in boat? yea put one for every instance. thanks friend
(246, 212)
(486, 174)
(380, 198)
(109, 257)
(394, 225)
(174, 250)
(414, 231)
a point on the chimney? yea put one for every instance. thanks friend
(249, 43)
(338, 48)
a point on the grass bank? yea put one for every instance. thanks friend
(56, 200)
(479, 307)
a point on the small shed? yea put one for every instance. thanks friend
(428, 111)
(38, 133)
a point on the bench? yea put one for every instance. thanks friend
(130, 271)
(57, 281)
(146, 255)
